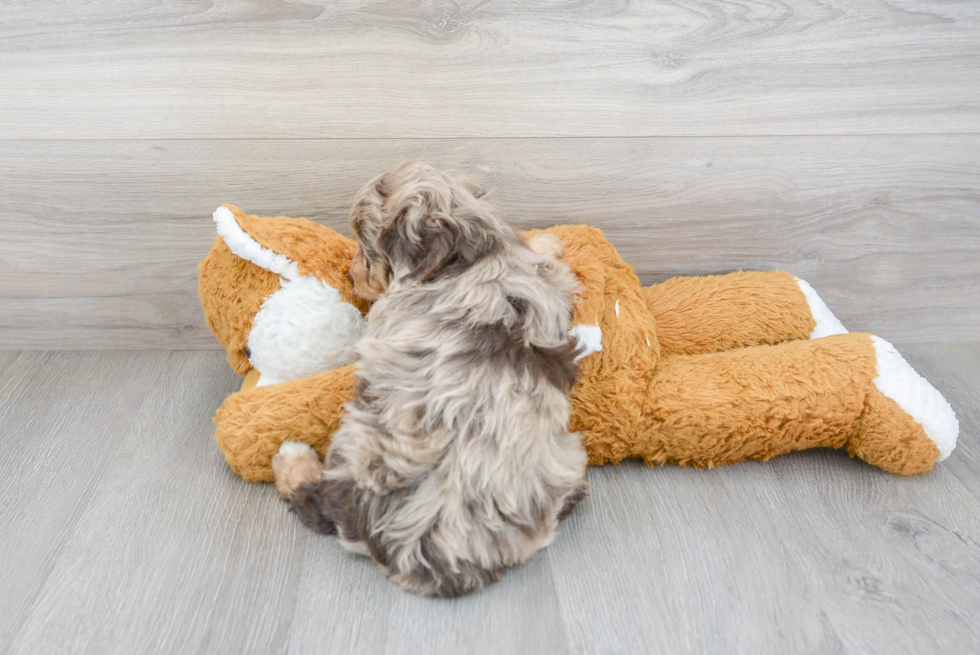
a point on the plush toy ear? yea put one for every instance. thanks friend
(429, 236)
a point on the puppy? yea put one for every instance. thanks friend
(453, 460)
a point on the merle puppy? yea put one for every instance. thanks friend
(453, 460)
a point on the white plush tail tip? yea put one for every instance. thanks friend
(827, 323)
(917, 398)
(244, 246)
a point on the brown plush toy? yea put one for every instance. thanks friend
(702, 371)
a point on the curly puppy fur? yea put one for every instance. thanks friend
(453, 461)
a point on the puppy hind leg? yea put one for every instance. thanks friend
(298, 471)
(307, 503)
(573, 499)
(546, 245)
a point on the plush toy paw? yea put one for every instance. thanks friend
(295, 464)
(917, 398)
(907, 426)
(826, 323)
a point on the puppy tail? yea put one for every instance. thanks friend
(297, 470)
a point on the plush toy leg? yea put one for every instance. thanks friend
(851, 391)
(252, 424)
(696, 315)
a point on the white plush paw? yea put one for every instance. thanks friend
(827, 323)
(917, 398)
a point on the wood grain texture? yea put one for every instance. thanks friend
(62, 418)
(124, 532)
(345, 606)
(893, 563)
(172, 553)
(441, 68)
(671, 560)
(101, 240)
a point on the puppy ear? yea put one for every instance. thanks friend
(424, 248)
(367, 213)
(428, 239)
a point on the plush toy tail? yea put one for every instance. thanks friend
(243, 245)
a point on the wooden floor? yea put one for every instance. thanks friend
(124, 531)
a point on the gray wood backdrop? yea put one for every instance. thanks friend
(837, 140)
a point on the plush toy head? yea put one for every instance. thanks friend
(277, 295)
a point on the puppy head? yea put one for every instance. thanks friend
(417, 223)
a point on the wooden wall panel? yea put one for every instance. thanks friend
(100, 239)
(437, 68)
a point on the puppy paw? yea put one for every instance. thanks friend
(295, 464)
(547, 245)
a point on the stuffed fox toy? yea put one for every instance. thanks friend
(701, 371)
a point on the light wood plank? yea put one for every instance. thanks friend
(174, 554)
(668, 560)
(62, 417)
(362, 68)
(893, 562)
(808, 553)
(102, 239)
(345, 606)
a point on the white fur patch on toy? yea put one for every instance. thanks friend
(589, 337)
(917, 398)
(302, 329)
(827, 323)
